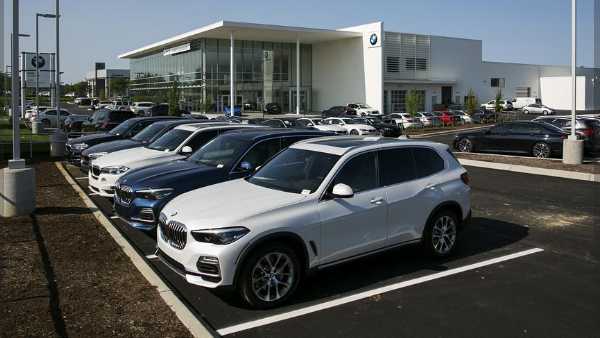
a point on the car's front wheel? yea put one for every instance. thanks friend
(354, 132)
(464, 145)
(525, 111)
(441, 233)
(270, 276)
(541, 150)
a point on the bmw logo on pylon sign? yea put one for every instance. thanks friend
(373, 39)
(38, 61)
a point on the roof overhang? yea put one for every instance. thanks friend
(422, 82)
(246, 31)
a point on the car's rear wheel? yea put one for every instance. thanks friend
(441, 233)
(354, 132)
(270, 276)
(541, 150)
(525, 111)
(545, 112)
(465, 145)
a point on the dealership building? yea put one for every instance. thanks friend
(308, 70)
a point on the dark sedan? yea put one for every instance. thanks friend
(125, 130)
(146, 136)
(338, 111)
(142, 193)
(385, 127)
(538, 139)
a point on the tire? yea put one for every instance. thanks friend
(545, 112)
(464, 145)
(260, 259)
(541, 150)
(441, 234)
(525, 111)
(354, 132)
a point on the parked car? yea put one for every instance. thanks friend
(272, 108)
(74, 122)
(120, 105)
(464, 117)
(491, 105)
(362, 109)
(237, 110)
(539, 139)
(141, 108)
(102, 104)
(447, 118)
(153, 131)
(338, 111)
(106, 119)
(521, 102)
(48, 117)
(141, 194)
(428, 119)
(384, 128)
(176, 144)
(125, 130)
(318, 203)
(484, 116)
(536, 108)
(587, 128)
(34, 110)
(352, 127)
(406, 120)
(161, 109)
(318, 123)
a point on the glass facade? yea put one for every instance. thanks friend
(265, 72)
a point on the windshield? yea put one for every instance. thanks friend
(171, 140)
(295, 170)
(347, 121)
(220, 152)
(361, 121)
(148, 133)
(122, 128)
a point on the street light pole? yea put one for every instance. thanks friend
(37, 55)
(57, 67)
(15, 86)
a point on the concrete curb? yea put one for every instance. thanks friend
(187, 318)
(448, 132)
(532, 170)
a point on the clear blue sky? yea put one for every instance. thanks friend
(532, 31)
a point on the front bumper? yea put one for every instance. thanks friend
(73, 155)
(103, 184)
(140, 213)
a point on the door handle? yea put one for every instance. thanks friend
(377, 200)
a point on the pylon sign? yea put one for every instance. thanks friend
(42, 63)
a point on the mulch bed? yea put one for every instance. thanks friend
(61, 274)
(586, 167)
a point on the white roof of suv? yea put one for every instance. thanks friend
(342, 145)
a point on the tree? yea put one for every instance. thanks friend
(498, 105)
(472, 102)
(80, 88)
(118, 86)
(414, 101)
(174, 98)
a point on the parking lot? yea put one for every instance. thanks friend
(527, 265)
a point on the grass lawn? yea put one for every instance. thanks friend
(26, 136)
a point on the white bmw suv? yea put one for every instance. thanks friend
(318, 203)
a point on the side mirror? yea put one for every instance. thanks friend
(186, 150)
(342, 190)
(246, 166)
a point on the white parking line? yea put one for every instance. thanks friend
(152, 256)
(369, 293)
(81, 178)
(92, 194)
(114, 217)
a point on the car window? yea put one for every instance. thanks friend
(427, 162)
(170, 140)
(261, 152)
(396, 166)
(50, 112)
(139, 127)
(201, 138)
(274, 124)
(359, 173)
(287, 141)
(499, 129)
(303, 123)
(333, 121)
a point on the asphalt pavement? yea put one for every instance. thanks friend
(551, 293)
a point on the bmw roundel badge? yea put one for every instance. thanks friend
(373, 39)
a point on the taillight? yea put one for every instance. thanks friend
(465, 178)
(588, 132)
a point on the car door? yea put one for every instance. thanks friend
(256, 156)
(496, 138)
(356, 225)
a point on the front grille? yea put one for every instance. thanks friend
(96, 170)
(124, 194)
(173, 232)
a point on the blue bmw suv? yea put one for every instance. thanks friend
(141, 194)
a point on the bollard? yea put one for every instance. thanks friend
(58, 140)
(36, 127)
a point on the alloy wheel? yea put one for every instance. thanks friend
(272, 276)
(465, 145)
(443, 235)
(541, 150)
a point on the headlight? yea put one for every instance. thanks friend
(220, 236)
(94, 156)
(79, 146)
(154, 194)
(116, 170)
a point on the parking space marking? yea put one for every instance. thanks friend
(81, 178)
(92, 194)
(114, 217)
(370, 293)
(151, 256)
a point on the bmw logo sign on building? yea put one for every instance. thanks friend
(38, 62)
(374, 40)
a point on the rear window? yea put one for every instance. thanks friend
(427, 162)
(396, 166)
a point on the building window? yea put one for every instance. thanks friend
(497, 82)
(398, 101)
(523, 92)
(434, 100)
(416, 64)
(393, 64)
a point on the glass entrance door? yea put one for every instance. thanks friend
(304, 100)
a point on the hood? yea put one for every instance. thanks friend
(132, 158)
(93, 139)
(180, 175)
(112, 146)
(232, 203)
(330, 128)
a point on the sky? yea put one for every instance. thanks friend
(532, 31)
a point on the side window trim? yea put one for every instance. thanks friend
(239, 161)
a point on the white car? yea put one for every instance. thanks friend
(141, 108)
(364, 109)
(428, 119)
(351, 126)
(178, 143)
(319, 203)
(406, 120)
(48, 117)
(491, 105)
(464, 117)
(320, 124)
(538, 109)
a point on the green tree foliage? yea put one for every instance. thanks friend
(118, 86)
(414, 100)
(498, 105)
(472, 102)
(174, 98)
